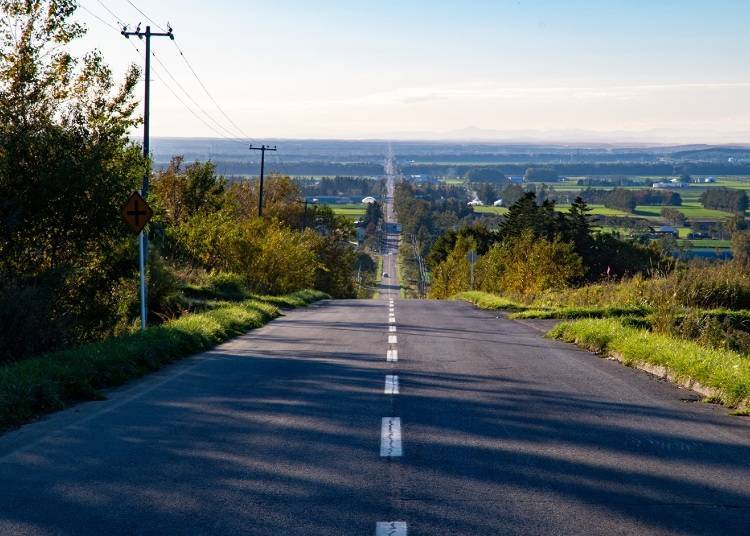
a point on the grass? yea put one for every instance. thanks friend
(485, 300)
(582, 312)
(649, 212)
(351, 210)
(491, 210)
(53, 381)
(726, 372)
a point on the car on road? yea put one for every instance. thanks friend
(385, 274)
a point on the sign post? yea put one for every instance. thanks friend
(137, 214)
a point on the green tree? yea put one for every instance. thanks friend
(741, 247)
(453, 275)
(66, 167)
(526, 266)
(485, 174)
(621, 199)
(673, 216)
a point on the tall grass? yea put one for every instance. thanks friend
(485, 300)
(720, 285)
(53, 381)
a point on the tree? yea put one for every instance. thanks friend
(453, 275)
(673, 216)
(741, 247)
(541, 175)
(621, 199)
(511, 193)
(485, 174)
(178, 193)
(66, 167)
(526, 266)
(727, 199)
(579, 227)
(525, 214)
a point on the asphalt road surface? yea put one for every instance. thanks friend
(355, 417)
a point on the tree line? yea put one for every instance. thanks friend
(534, 249)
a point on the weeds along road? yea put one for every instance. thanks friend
(383, 417)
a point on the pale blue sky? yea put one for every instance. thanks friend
(379, 69)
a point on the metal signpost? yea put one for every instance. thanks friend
(137, 214)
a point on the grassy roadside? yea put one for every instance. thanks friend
(485, 300)
(725, 372)
(581, 312)
(378, 276)
(53, 381)
(620, 332)
(399, 272)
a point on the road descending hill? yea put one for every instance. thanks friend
(383, 417)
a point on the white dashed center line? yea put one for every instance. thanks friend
(391, 319)
(390, 528)
(392, 329)
(392, 339)
(391, 384)
(391, 356)
(390, 437)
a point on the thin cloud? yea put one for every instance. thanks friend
(415, 95)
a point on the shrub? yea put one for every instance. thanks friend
(528, 266)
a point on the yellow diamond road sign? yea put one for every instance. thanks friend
(136, 212)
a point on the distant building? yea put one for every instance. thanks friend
(709, 179)
(369, 200)
(498, 203)
(665, 230)
(516, 179)
(475, 203)
(667, 185)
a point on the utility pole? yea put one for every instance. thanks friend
(143, 245)
(262, 149)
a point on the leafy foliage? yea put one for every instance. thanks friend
(727, 199)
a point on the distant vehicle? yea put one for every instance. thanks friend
(385, 274)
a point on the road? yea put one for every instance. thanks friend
(326, 421)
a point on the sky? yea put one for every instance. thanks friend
(671, 70)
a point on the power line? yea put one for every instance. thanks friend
(195, 74)
(190, 97)
(118, 19)
(99, 18)
(152, 21)
(220, 134)
(210, 96)
(189, 109)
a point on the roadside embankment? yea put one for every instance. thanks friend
(623, 333)
(53, 381)
(720, 375)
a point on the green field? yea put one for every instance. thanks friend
(353, 210)
(491, 210)
(690, 210)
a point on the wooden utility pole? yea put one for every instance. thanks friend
(143, 246)
(262, 149)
